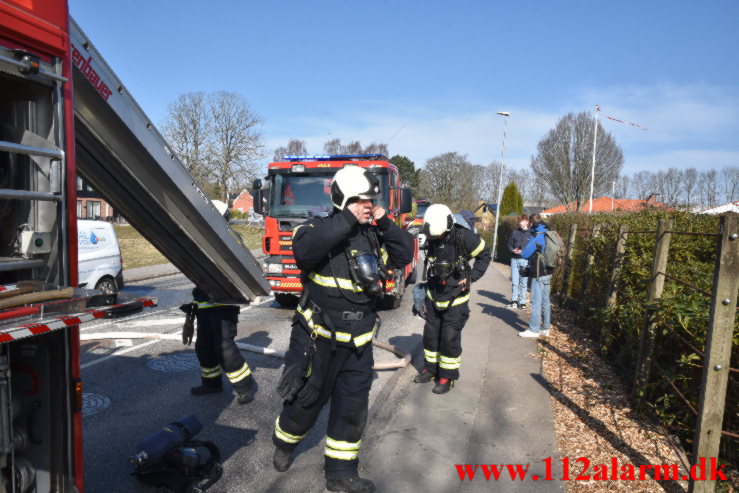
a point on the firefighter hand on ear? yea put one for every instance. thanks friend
(377, 212)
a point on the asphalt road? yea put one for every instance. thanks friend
(135, 387)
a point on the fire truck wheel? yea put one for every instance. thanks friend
(107, 285)
(286, 300)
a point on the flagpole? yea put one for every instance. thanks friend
(592, 169)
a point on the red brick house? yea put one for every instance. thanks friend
(91, 205)
(608, 204)
(242, 201)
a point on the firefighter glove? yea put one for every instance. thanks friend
(292, 380)
(188, 329)
(309, 393)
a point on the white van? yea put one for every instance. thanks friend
(99, 256)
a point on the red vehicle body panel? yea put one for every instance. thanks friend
(41, 27)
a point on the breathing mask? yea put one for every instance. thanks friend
(441, 269)
(366, 272)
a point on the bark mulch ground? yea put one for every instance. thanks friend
(593, 417)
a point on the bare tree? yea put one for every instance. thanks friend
(730, 177)
(187, 129)
(708, 188)
(642, 184)
(376, 148)
(294, 147)
(564, 157)
(623, 187)
(471, 184)
(236, 146)
(668, 185)
(332, 147)
(538, 194)
(490, 182)
(335, 147)
(448, 179)
(689, 182)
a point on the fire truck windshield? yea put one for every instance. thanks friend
(421, 209)
(307, 195)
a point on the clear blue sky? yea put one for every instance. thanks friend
(440, 70)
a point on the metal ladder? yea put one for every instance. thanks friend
(25, 65)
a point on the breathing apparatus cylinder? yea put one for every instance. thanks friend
(157, 446)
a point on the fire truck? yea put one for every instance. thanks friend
(297, 189)
(63, 111)
(417, 223)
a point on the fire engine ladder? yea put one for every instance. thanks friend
(124, 157)
(18, 64)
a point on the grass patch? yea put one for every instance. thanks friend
(138, 252)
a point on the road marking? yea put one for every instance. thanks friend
(153, 323)
(117, 353)
(150, 323)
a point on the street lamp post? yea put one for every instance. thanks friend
(500, 182)
(592, 169)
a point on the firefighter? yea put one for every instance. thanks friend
(216, 349)
(450, 248)
(345, 260)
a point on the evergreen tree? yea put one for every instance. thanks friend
(409, 175)
(511, 200)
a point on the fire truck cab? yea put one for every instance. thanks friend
(297, 189)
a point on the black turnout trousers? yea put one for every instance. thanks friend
(215, 347)
(346, 377)
(442, 339)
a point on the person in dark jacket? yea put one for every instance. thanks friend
(450, 249)
(541, 279)
(519, 280)
(344, 261)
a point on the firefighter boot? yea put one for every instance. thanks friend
(207, 387)
(443, 386)
(424, 377)
(350, 484)
(282, 459)
(246, 394)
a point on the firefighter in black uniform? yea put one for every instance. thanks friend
(216, 349)
(450, 248)
(215, 346)
(345, 260)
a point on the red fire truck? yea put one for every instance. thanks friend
(299, 188)
(63, 110)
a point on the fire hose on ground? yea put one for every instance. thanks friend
(403, 361)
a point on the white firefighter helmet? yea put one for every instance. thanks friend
(437, 220)
(353, 182)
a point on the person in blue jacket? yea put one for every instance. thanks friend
(541, 279)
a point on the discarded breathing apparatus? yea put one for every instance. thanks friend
(170, 458)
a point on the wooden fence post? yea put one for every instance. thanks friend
(656, 286)
(586, 276)
(564, 293)
(717, 357)
(623, 234)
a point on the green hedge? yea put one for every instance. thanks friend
(692, 259)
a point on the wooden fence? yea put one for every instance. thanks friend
(718, 349)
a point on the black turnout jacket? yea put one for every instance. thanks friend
(448, 249)
(321, 245)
